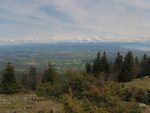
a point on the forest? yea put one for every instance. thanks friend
(99, 88)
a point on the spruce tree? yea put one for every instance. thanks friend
(119, 61)
(97, 67)
(24, 80)
(49, 74)
(144, 65)
(88, 68)
(105, 65)
(32, 78)
(9, 84)
(137, 67)
(137, 60)
(148, 67)
(127, 73)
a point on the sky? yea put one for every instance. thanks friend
(74, 20)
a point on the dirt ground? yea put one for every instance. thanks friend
(147, 110)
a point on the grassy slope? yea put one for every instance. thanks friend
(21, 102)
(143, 83)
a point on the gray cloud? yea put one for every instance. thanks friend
(126, 20)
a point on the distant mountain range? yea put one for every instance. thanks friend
(143, 46)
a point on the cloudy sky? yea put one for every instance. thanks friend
(58, 20)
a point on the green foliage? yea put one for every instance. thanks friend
(144, 65)
(32, 78)
(118, 63)
(88, 68)
(59, 87)
(100, 66)
(127, 69)
(79, 82)
(105, 65)
(49, 74)
(72, 105)
(133, 93)
(97, 66)
(9, 84)
(82, 93)
(148, 67)
(100, 99)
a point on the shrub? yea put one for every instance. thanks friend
(139, 95)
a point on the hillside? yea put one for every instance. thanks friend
(29, 102)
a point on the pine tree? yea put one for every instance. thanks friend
(9, 84)
(49, 74)
(32, 78)
(88, 68)
(127, 73)
(97, 67)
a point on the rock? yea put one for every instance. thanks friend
(142, 105)
(25, 99)
(52, 111)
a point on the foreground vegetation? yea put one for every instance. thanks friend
(103, 87)
(24, 100)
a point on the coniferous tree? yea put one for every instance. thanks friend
(117, 66)
(24, 80)
(49, 74)
(144, 65)
(148, 67)
(9, 84)
(105, 64)
(119, 61)
(97, 67)
(127, 73)
(137, 67)
(88, 68)
(137, 60)
(32, 78)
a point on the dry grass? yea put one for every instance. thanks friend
(143, 83)
(28, 103)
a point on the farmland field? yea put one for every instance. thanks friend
(62, 55)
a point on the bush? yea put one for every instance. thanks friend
(72, 105)
(57, 89)
(9, 88)
(81, 93)
(139, 95)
